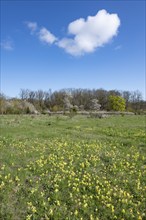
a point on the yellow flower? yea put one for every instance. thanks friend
(91, 217)
(123, 211)
(85, 205)
(56, 190)
(76, 212)
(2, 184)
(113, 208)
(28, 217)
(58, 203)
(51, 211)
(17, 178)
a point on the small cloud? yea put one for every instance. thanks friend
(46, 36)
(7, 45)
(91, 33)
(119, 47)
(43, 34)
(32, 26)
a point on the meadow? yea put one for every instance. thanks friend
(72, 168)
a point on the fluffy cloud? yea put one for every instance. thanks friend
(91, 33)
(46, 36)
(84, 35)
(7, 45)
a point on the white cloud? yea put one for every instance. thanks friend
(7, 45)
(43, 34)
(46, 36)
(32, 26)
(91, 33)
(84, 35)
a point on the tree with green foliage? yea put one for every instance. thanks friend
(117, 103)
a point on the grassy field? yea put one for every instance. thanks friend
(79, 168)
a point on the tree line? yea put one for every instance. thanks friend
(79, 99)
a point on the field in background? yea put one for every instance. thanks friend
(72, 168)
(124, 129)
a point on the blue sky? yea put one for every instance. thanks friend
(54, 44)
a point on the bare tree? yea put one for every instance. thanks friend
(67, 104)
(24, 93)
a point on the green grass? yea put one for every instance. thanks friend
(72, 168)
(44, 127)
